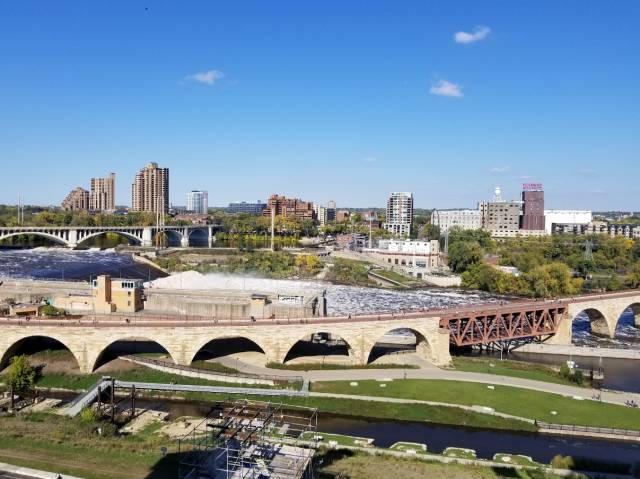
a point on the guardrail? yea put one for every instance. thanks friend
(587, 429)
(236, 374)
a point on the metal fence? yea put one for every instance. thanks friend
(587, 429)
(235, 374)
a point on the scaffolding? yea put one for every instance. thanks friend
(250, 440)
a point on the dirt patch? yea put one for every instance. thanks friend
(118, 365)
(180, 426)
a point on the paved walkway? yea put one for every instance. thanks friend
(429, 371)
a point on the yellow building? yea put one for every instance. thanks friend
(121, 295)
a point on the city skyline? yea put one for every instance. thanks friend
(446, 101)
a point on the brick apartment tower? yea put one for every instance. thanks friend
(150, 189)
(103, 193)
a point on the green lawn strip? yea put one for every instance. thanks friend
(338, 439)
(518, 369)
(378, 410)
(213, 366)
(337, 464)
(147, 375)
(66, 445)
(417, 448)
(515, 459)
(459, 452)
(510, 400)
(319, 366)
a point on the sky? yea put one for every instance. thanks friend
(324, 100)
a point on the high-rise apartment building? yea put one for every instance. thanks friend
(326, 214)
(289, 207)
(150, 189)
(198, 202)
(532, 207)
(76, 200)
(399, 213)
(103, 193)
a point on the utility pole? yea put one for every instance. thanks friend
(273, 226)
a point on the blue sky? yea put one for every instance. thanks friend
(343, 100)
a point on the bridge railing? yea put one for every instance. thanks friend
(148, 318)
(587, 429)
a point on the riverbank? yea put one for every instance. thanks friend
(583, 351)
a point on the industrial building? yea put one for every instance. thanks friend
(464, 219)
(566, 217)
(411, 256)
(532, 218)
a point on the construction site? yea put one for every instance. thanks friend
(250, 440)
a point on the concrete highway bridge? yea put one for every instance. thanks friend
(184, 337)
(73, 236)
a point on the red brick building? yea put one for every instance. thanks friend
(289, 208)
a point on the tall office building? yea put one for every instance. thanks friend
(500, 217)
(76, 200)
(532, 207)
(150, 189)
(198, 202)
(399, 213)
(103, 193)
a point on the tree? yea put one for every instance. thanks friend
(633, 279)
(463, 255)
(21, 374)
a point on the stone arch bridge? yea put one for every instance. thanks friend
(183, 337)
(73, 236)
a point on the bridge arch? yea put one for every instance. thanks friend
(598, 321)
(18, 346)
(321, 343)
(402, 339)
(123, 346)
(42, 234)
(125, 234)
(225, 345)
(634, 310)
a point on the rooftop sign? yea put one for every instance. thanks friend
(532, 186)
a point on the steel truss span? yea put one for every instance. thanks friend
(497, 325)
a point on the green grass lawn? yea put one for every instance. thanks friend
(518, 369)
(509, 400)
(84, 381)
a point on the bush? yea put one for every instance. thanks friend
(21, 374)
(88, 415)
(50, 310)
(563, 462)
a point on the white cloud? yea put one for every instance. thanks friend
(446, 88)
(369, 159)
(209, 77)
(586, 171)
(479, 33)
(500, 169)
(524, 177)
